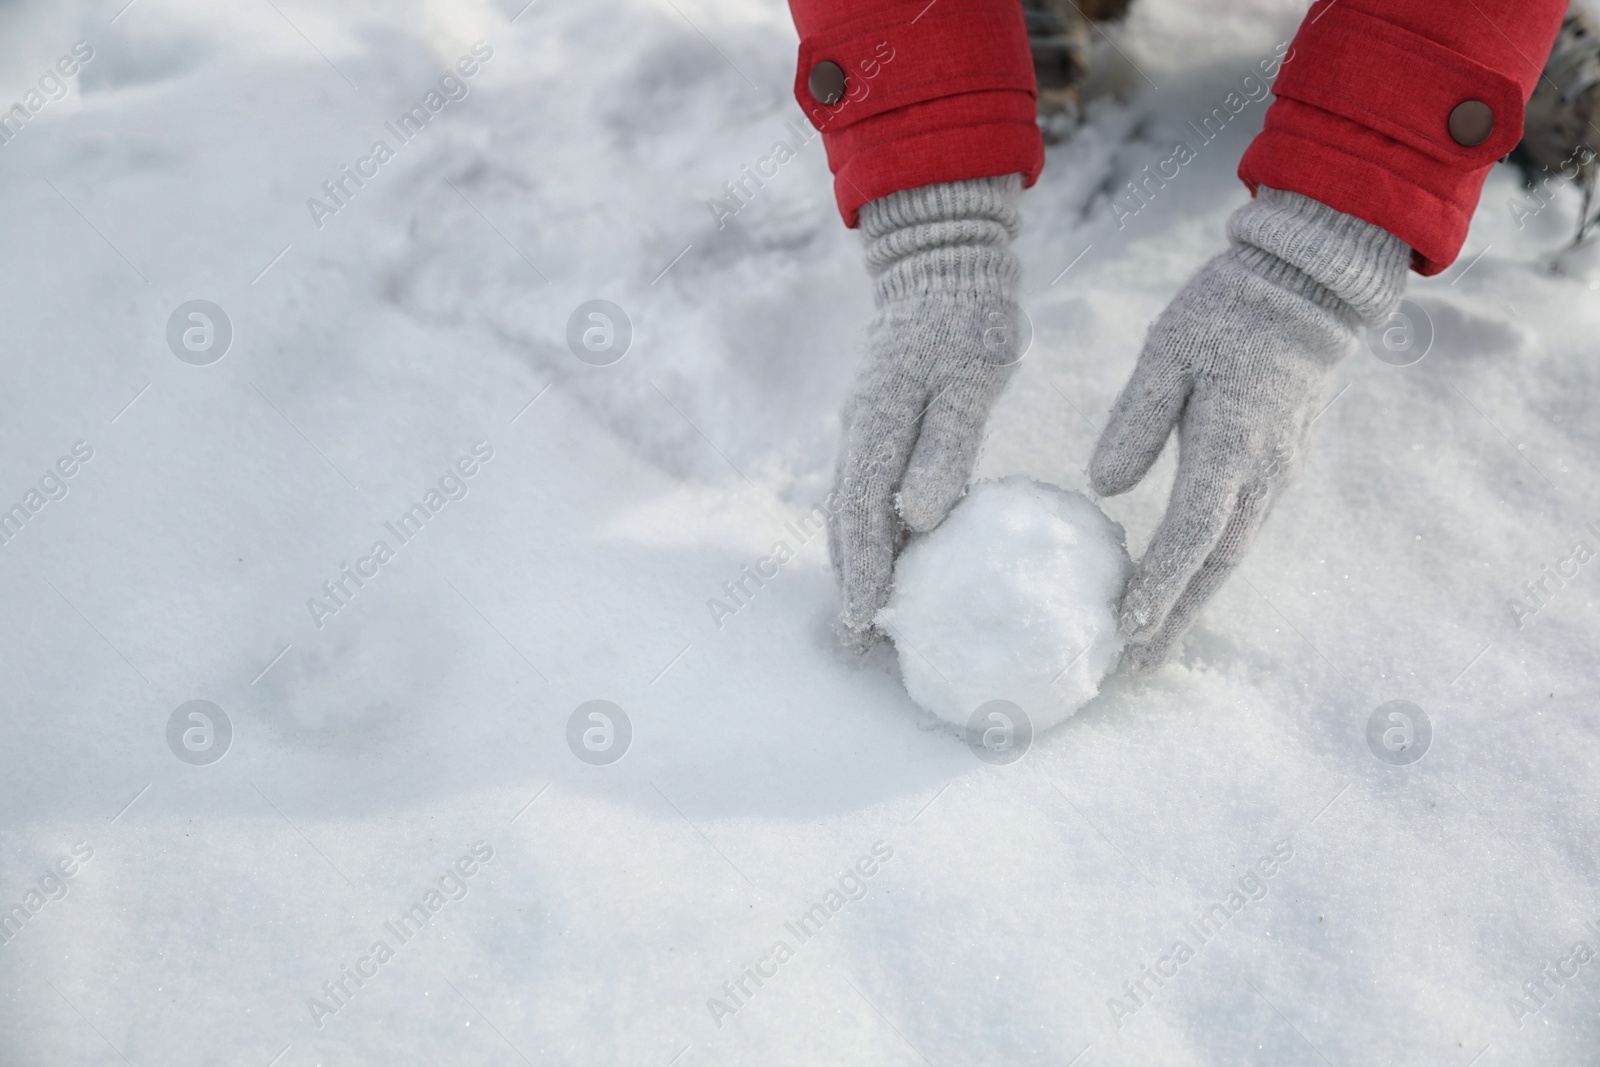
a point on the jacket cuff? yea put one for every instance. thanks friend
(1360, 177)
(1394, 111)
(915, 94)
(1401, 83)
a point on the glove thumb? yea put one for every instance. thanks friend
(945, 453)
(1139, 426)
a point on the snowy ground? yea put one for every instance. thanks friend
(425, 721)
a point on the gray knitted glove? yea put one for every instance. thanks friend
(1240, 361)
(939, 351)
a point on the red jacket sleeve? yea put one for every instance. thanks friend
(933, 92)
(1362, 120)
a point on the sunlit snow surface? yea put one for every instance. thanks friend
(375, 759)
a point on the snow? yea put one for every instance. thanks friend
(426, 721)
(1013, 597)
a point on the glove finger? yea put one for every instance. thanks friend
(835, 513)
(946, 451)
(1248, 516)
(1140, 423)
(865, 533)
(1198, 511)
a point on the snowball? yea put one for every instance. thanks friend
(1013, 597)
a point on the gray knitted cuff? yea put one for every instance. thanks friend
(1363, 265)
(953, 237)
